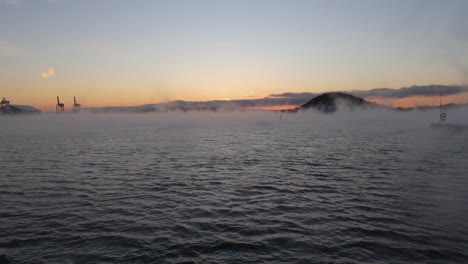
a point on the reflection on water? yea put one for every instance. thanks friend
(232, 187)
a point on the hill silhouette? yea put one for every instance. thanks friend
(330, 102)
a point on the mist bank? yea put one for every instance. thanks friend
(64, 125)
(326, 103)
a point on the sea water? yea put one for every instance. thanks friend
(234, 187)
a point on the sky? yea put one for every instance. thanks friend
(122, 52)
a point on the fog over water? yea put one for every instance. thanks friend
(230, 187)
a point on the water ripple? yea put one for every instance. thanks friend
(231, 192)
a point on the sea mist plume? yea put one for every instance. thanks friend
(214, 105)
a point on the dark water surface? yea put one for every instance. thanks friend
(232, 188)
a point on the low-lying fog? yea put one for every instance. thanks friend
(367, 120)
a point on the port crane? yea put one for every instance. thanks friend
(4, 102)
(60, 107)
(76, 106)
(3, 105)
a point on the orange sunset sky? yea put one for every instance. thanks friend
(124, 53)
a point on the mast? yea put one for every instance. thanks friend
(440, 102)
(443, 116)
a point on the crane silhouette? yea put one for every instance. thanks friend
(59, 108)
(76, 106)
(4, 102)
(3, 105)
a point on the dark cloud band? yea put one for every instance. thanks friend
(427, 90)
(301, 98)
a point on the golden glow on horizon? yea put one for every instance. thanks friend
(272, 107)
(102, 91)
(101, 100)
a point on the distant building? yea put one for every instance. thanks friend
(7, 108)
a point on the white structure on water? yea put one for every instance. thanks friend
(7, 108)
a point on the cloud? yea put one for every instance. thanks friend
(250, 95)
(293, 95)
(12, 2)
(425, 90)
(49, 73)
(389, 93)
(7, 49)
(20, 2)
(293, 99)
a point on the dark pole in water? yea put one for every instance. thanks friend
(443, 116)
